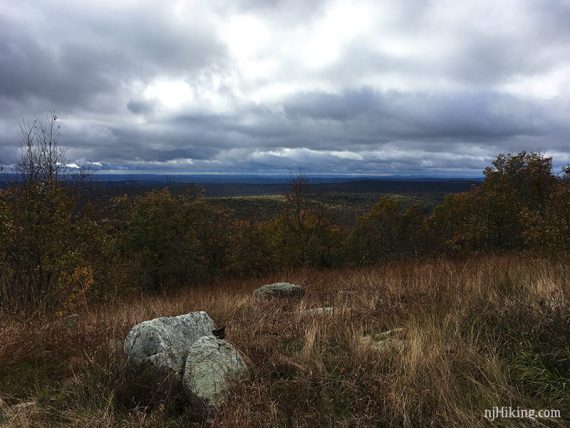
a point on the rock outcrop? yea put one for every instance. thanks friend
(180, 359)
(280, 290)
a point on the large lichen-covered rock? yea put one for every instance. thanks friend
(161, 345)
(280, 290)
(211, 364)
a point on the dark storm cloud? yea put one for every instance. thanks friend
(326, 86)
(476, 116)
(69, 54)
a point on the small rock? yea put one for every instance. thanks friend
(385, 340)
(316, 312)
(280, 290)
(211, 365)
(71, 321)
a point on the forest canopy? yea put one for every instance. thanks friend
(60, 246)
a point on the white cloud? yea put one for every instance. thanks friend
(172, 94)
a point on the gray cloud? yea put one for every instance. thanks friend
(253, 86)
(70, 54)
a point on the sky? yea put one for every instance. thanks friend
(416, 87)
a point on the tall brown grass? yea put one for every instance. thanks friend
(478, 333)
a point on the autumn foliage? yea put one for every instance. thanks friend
(60, 248)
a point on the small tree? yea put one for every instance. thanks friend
(45, 261)
(172, 240)
(549, 232)
(296, 213)
(526, 176)
(41, 158)
(517, 191)
(301, 234)
(387, 232)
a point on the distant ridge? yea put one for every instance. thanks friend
(252, 185)
(252, 178)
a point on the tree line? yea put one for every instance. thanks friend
(60, 248)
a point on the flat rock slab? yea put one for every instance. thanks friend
(162, 344)
(211, 365)
(280, 290)
(391, 339)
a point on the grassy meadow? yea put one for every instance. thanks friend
(409, 343)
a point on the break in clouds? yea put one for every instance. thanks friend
(356, 87)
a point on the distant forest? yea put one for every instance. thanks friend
(65, 241)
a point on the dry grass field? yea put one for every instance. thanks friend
(475, 334)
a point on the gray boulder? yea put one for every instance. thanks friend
(162, 344)
(210, 366)
(280, 290)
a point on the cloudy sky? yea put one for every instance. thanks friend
(267, 86)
